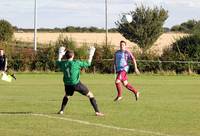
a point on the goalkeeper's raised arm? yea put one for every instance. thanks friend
(61, 53)
(91, 54)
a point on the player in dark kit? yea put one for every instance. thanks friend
(3, 65)
(3, 61)
(71, 70)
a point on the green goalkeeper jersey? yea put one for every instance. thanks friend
(71, 70)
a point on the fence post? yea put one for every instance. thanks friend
(190, 71)
(94, 69)
(160, 65)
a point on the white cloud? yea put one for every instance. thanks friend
(185, 3)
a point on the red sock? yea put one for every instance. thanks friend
(119, 89)
(131, 88)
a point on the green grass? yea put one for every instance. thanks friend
(168, 105)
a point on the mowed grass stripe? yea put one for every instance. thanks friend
(88, 123)
(169, 104)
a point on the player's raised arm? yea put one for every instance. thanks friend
(61, 53)
(91, 54)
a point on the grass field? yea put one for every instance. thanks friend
(169, 106)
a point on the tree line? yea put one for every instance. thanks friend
(70, 29)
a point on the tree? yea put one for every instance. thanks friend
(146, 27)
(6, 30)
(187, 27)
(196, 29)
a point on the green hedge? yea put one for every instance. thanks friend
(23, 58)
(186, 49)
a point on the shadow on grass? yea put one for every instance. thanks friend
(26, 113)
(16, 113)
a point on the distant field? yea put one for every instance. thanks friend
(169, 106)
(114, 38)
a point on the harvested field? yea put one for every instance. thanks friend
(163, 42)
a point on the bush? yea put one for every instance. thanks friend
(185, 49)
(147, 63)
(81, 52)
(186, 27)
(6, 31)
(103, 59)
(25, 59)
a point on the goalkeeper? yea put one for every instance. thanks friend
(71, 70)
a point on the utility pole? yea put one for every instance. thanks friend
(106, 21)
(35, 26)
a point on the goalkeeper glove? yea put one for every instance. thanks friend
(91, 54)
(61, 52)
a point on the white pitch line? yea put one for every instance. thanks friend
(96, 124)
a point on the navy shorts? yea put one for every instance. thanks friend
(81, 88)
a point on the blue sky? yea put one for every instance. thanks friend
(62, 13)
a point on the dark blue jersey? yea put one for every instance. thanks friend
(2, 63)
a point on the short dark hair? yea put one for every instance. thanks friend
(69, 54)
(122, 42)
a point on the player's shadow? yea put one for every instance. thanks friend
(15, 113)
